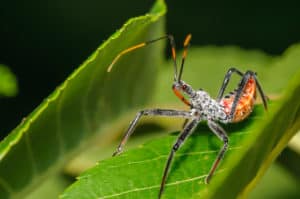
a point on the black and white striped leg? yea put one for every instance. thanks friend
(150, 112)
(184, 123)
(226, 81)
(188, 130)
(220, 132)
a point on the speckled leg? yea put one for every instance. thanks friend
(219, 131)
(151, 112)
(226, 81)
(188, 130)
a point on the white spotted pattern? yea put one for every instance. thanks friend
(207, 108)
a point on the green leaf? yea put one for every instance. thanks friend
(269, 187)
(50, 189)
(81, 108)
(290, 156)
(137, 173)
(8, 82)
(254, 143)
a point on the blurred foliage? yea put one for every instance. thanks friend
(290, 157)
(8, 82)
(276, 184)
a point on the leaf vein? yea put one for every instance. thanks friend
(158, 186)
(30, 154)
(177, 155)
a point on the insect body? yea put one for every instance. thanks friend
(231, 108)
(246, 98)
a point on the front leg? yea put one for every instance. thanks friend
(151, 112)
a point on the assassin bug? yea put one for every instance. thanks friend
(231, 108)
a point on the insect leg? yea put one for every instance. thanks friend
(188, 130)
(151, 112)
(219, 131)
(261, 92)
(226, 81)
(238, 94)
(185, 123)
(240, 89)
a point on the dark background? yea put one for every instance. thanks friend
(44, 41)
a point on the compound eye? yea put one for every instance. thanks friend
(184, 87)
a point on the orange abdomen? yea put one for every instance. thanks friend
(245, 103)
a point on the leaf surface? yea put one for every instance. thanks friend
(137, 173)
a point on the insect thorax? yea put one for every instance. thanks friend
(208, 108)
